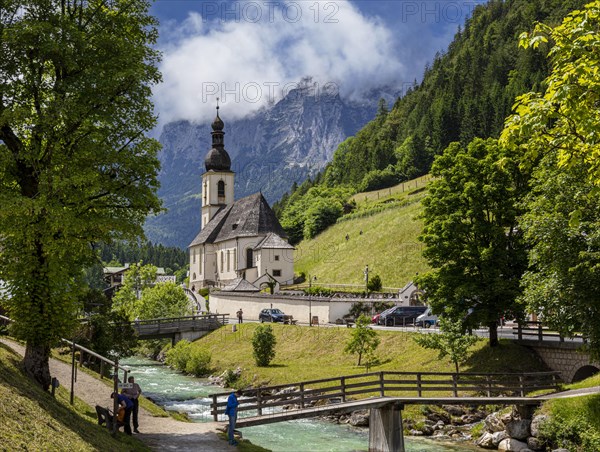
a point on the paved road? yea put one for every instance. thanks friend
(158, 433)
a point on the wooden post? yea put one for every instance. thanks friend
(301, 395)
(381, 385)
(115, 399)
(258, 402)
(540, 333)
(419, 392)
(385, 429)
(214, 408)
(101, 369)
(520, 331)
(72, 371)
(489, 385)
(343, 387)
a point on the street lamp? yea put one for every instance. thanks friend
(310, 280)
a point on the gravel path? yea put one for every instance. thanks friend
(159, 433)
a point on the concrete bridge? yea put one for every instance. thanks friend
(564, 355)
(385, 394)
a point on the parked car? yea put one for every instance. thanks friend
(375, 318)
(426, 319)
(401, 315)
(271, 315)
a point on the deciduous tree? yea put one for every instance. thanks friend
(364, 340)
(75, 164)
(471, 236)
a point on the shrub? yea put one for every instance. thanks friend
(263, 345)
(178, 356)
(374, 284)
(198, 362)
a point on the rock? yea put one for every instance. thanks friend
(493, 423)
(485, 441)
(427, 430)
(454, 410)
(560, 450)
(469, 418)
(506, 418)
(511, 444)
(439, 425)
(536, 422)
(415, 433)
(497, 437)
(518, 429)
(360, 418)
(435, 417)
(534, 443)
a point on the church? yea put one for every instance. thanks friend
(238, 240)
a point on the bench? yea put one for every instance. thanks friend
(349, 322)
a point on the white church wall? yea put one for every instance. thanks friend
(278, 262)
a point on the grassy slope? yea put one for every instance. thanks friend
(388, 243)
(304, 353)
(32, 420)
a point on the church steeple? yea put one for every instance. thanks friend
(218, 180)
(217, 158)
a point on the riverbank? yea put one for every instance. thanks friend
(157, 433)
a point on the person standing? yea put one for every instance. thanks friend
(240, 313)
(133, 393)
(231, 412)
(127, 404)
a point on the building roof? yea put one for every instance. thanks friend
(240, 285)
(273, 241)
(247, 217)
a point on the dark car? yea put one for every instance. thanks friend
(271, 315)
(375, 318)
(401, 315)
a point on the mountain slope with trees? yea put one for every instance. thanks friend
(466, 92)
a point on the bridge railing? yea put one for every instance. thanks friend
(266, 400)
(174, 324)
(533, 330)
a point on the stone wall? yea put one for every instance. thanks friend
(565, 357)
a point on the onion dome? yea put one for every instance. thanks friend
(217, 158)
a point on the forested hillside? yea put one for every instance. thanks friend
(466, 92)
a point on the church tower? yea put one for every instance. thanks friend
(217, 181)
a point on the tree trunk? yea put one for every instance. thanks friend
(36, 364)
(493, 326)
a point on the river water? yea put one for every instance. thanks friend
(177, 392)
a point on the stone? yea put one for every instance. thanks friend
(518, 429)
(427, 430)
(560, 450)
(435, 417)
(511, 444)
(485, 441)
(534, 443)
(360, 418)
(454, 410)
(497, 437)
(439, 425)
(493, 423)
(536, 422)
(415, 433)
(469, 419)
(506, 418)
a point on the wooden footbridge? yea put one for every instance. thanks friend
(385, 394)
(177, 328)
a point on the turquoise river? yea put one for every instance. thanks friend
(177, 392)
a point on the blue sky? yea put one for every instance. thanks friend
(250, 53)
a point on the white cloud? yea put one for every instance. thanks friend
(247, 62)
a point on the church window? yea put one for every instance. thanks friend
(195, 277)
(228, 266)
(249, 258)
(221, 189)
(222, 261)
(276, 272)
(194, 256)
(235, 259)
(277, 257)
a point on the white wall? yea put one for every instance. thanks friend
(328, 310)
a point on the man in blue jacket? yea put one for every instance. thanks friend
(127, 404)
(231, 412)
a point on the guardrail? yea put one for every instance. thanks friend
(392, 384)
(536, 330)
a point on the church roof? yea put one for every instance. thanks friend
(273, 241)
(240, 285)
(247, 217)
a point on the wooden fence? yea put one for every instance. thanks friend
(531, 330)
(392, 384)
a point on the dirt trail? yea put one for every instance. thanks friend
(159, 433)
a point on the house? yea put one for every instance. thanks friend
(114, 275)
(237, 239)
